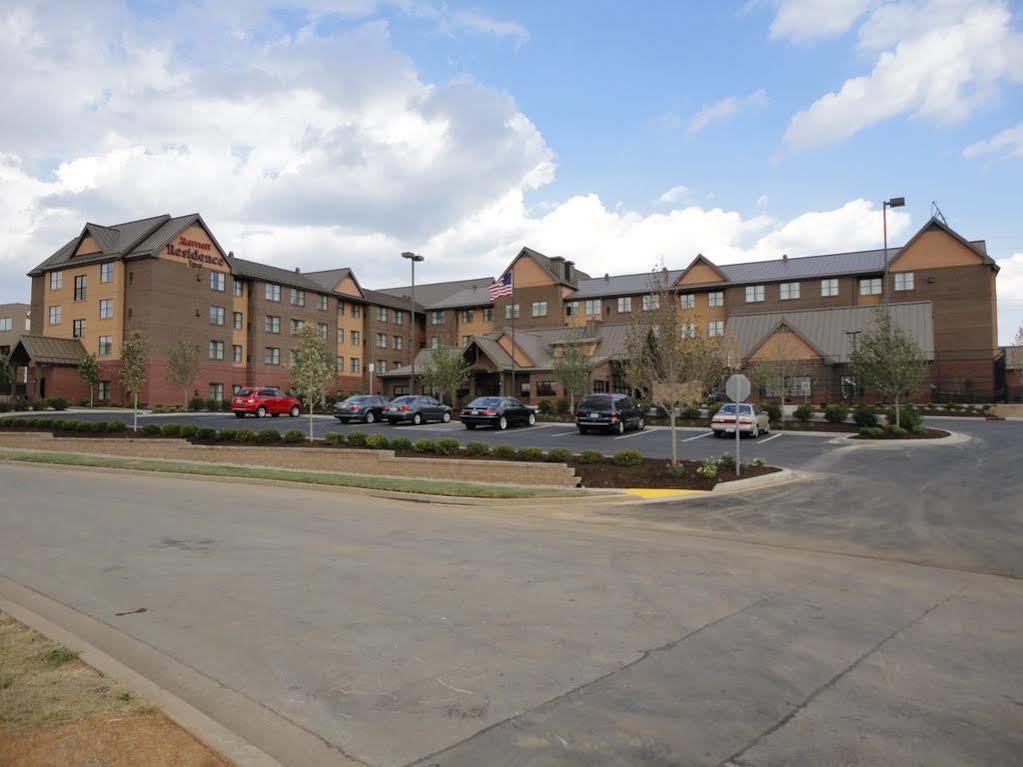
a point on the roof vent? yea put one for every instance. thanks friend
(607, 277)
(784, 256)
(230, 254)
(297, 270)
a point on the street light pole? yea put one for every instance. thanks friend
(894, 202)
(413, 258)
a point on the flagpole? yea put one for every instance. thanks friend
(514, 312)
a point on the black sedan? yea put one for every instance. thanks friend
(361, 407)
(416, 409)
(499, 412)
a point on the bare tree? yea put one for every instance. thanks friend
(446, 371)
(88, 371)
(1018, 340)
(134, 368)
(573, 367)
(313, 369)
(183, 366)
(786, 362)
(888, 360)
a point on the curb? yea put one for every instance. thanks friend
(783, 477)
(953, 438)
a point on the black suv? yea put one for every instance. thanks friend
(608, 412)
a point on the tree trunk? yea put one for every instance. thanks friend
(674, 437)
(310, 421)
(135, 399)
(92, 400)
(571, 401)
(897, 419)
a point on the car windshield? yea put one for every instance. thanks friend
(360, 400)
(243, 393)
(485, 402)
(403, 401)
(595, 403)
(730, 409)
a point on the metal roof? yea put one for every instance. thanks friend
(828, 329)
(430, 294)
(329, 278)
(274, 274)
(48, 351)
(1013, 357)
(619, 285)
(474, 295)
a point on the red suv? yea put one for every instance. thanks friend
(264, 402)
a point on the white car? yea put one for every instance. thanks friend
(752, 420)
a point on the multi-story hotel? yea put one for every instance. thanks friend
(169, 278)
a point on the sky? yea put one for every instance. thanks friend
(332, 133)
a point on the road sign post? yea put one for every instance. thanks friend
(737, 388)
(371, 369)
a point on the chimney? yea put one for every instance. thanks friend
(570, 271)
(784, 256)
(297, 270)
(558, 265)
(607, 277)
(230, 254)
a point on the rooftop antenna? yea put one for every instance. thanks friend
(936, 212)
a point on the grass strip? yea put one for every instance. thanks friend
(393, 484)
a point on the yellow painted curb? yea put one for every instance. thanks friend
(649, 492)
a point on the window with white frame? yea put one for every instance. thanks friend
(297, 297)
(217, 392)
(340, 308)
(321, 303)
(435, 342)
(239, 320)
(539, 309)
(571, 308)
(624, 304)
(354, 365)
(237, 287)
(687, 300)
(355, 338)
(511, 311)
(78, 328)
(716, 298)
(716, 328)
(870, 286)
(437, 317)
(216, 315)
(6, 323)
(55, 315)
(904, 280)
(356, 311)
(106, 346)
(397, 343)
(488, 314)
(56, 280)
(466, 339)
(381, 340)
(216, 350)
(217, 281)
(468, 315)
(829, 287)
(381, 366)
(237, 351)
(106, 308)
(593, 307)
(754, 294)
(103, 391)
(106, 272)
(272, 324)
(272, 356)
(651, 302)
(340, 364)
(398, 317)
(297, 325)
(381, 314)
(689, 329)
(273, 292)
(789, 291)
(321, 328)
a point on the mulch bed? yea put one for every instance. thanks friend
(653, 473)
(931, 434)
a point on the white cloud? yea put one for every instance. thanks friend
(938, 59)
(673, 195)
(725, 108)
(483, 24)
(804, 21)
(1008, 143)
(762, 201)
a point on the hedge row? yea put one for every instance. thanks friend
(60, 424)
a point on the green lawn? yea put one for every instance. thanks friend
(395, 484)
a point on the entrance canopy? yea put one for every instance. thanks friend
(40, 350)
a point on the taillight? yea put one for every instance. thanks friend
(355, 407)
(614, 416)
(404, 408)
(465, 411)
(489, 412)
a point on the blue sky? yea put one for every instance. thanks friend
(340, 132)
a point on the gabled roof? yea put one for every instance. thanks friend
(43, 350)
(329, 278)
(783, 325)
(117, 241)
(275, 274)
(704, 261)
(547, 264)
(936, 224)
(394, 302)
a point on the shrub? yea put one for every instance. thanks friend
(268, 436)
(727, 460)
(759, 463)
(116, 426)
(57, 403)
(713, 408)
(293, 436)
(448, 446)
(4, 407)
(897, 432)
(561, 406)
(836, 413)
(213, 404)
(504, 452)
(803, 413)
(83, 402)
(20, 405)
(82, 426)
(334, 438)
(774, 412)
(559, 455)
(627, 458)
(171, 430)
(189, 430)
(873, 432)
(865, 415)
(544, 407)
(401, 443)
(909, 416)
(377, 442)
(529, 454)
(245, 436)
(690, 411)
(477, 449)
(709, 469)
(151, 430)
(357, 439)
(98, 427)
(206, 434)
(227, 435)
(425, 446)
(196, 403)
(919, 430)
(591, 456)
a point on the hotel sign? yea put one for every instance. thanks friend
(197, 253)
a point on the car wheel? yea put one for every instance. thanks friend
(532, 419)
(620, 428)
(295, 411)
(446, 418)
(583, 431)
(370, 418)
(417, 419)
(756, 432)
(260, 412)
(239, 415)
(502, 423)
(470, 426)
(642, 424)
(716, 434)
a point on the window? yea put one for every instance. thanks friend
(435, 342)
(55, 315)
(688, 300)
(321, 328)
(106, 346)
(237, 287)
(340, 364)
(716, 328)
(354, 336)
(398, 317)
(296, 325)
(593, 306)
(235, 388)
(511, 311)
(381, 314)
(381, 366)
(5, 324)
(651, 302)
(397, 343)
(356, 311)
(829, 288)
(572, 309)
(903, 280)
(624, 304)
(600, 387)
(272, 355)
(216, 315)
(754, 294)
(353, 365)
(870, 286)
(297, 297)
(273, 292)
(467, 315)
(239, 321)
(217, 392)
(56, 280)
(381, 340)
(292, 355)
(437, 317)
(689, 329)
(717, 298)
(273, 324)
(340, 335)
(340, 308)
(103, 392)
(78, 328)
(539, 309)
(466, 339)
(106, 272)
(488, 314)
(217, 281)
(321, 303)
(106, 308)
(237, 352)
(216, 350)
(80, 287)
(788, 291)
(545, 389)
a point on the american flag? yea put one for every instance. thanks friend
(501, 287)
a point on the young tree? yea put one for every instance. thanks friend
(6, 376)
(88, 371)
(183, 366)
(313, 369)
(134, 366)
(888, 360)
(669, 355)
(1018, 340)
(787, 361)
(446, 371)
(573, 369)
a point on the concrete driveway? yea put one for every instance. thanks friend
(403, 633)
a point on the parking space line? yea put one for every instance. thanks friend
(565, 433)
(765, 441)
(637, 433)
(698, 436)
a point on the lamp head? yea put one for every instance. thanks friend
(412, 256)
(896, 202)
